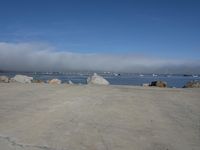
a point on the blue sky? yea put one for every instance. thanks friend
(168, 29)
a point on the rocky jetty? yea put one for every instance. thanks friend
(4, 79)
(97, 79)
(158, 84)
(192, 84)
(54, 81)
(21, 79)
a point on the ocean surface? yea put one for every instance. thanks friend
(173, 80)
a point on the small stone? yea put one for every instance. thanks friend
(70, 82)
(37, 81)
(145, 84)
(4, 79)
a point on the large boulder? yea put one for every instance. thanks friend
(21, 79)
(192, 84)
(159, 84)
(54, 81)
(96, 79)
(4, 79)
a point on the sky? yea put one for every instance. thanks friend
(108, 35)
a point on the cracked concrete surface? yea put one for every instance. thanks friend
(8, 141)
(72, 117)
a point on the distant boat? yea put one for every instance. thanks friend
(141, 75)
(106, 72)
(154, 75)
(194, 76)
(168, 76)
(117, 74)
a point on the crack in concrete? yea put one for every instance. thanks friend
(15, 144)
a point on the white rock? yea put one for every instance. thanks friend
(4, 79)
(145, 84)
(54, 81)
(96, 79)
(70, 82)
(21, 79)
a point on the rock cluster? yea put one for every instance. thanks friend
(97, 79)
(192, 84)
(27, 79)
(94, 79)
(159, 84)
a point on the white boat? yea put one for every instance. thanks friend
(115, 74)
(141, 75)
(195, 76)
(154, 75)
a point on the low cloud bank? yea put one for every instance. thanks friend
(39, 57)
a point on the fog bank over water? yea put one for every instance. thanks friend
(40, 57)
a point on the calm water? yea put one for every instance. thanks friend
(114, 79)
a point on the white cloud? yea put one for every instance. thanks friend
(40, 57)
